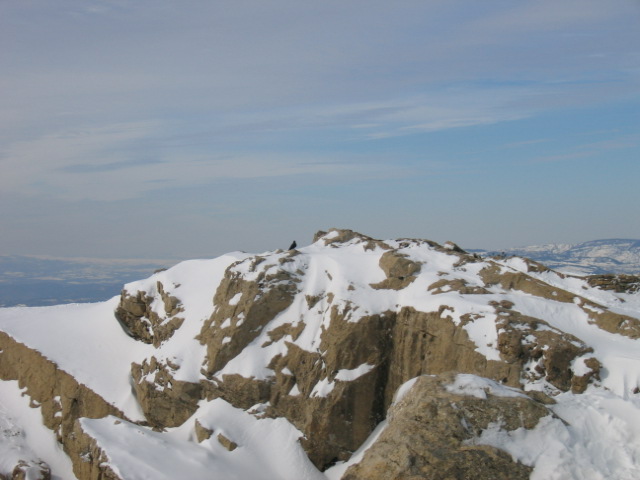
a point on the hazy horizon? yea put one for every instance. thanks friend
(130, 261)
(36, 280)
(157, 129)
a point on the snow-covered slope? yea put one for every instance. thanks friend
(588, 258)
(286, 364)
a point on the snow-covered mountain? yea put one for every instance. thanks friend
(350, 358)
(588, 258)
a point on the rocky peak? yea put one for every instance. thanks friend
(338, 342)
(325, 336)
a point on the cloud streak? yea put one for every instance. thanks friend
(114, 101)
(89, 165)
(629, 142)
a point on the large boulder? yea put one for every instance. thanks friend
(430, 433)
(165, 401)
(151, 317)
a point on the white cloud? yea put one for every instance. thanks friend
(105, 164)
(28, 163)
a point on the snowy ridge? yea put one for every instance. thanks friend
(258, 340)
(588, 258)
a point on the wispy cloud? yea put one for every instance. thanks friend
(526, 143)
(90, 164)
(563, 157)
(593, 149)
(108, 167)
(113, 100)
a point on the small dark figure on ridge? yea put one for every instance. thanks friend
(293, 245)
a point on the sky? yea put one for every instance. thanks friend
(187, 129)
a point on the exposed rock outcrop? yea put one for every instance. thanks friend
(399, 271)
(430, 434)
(141, 318)
(165, 401)
(324, 336)
(244, 307)
(311, 389)
(618, 283)
(31, 471)
(230, 445)
(496, 274)
(338, 236)
(202, 433)
(541, 352)
(337, 415)
(605, 319)
(62, 400)
(93, 462)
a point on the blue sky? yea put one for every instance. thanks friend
(188, 129)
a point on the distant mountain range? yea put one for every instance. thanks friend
(589, 258)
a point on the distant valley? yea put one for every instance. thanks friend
(589, 258)
(41, 281)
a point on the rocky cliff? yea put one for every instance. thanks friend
(355, 358)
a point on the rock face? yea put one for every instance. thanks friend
(93, 463)
(390, 348)
(61, 399)
(144, 322)
(398, 269)
(430, 434)
(324, 337)
(618, 283)
(165, 401)
(244, 307)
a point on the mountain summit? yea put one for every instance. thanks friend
(350, 358)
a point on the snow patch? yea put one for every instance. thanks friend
(482, 331)
(350, 375)
(479, 387)
(323, 388)
(403, 390)
(24, 437)
(267, 448)
(235, 299)
(597, 436)
(295, 391)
